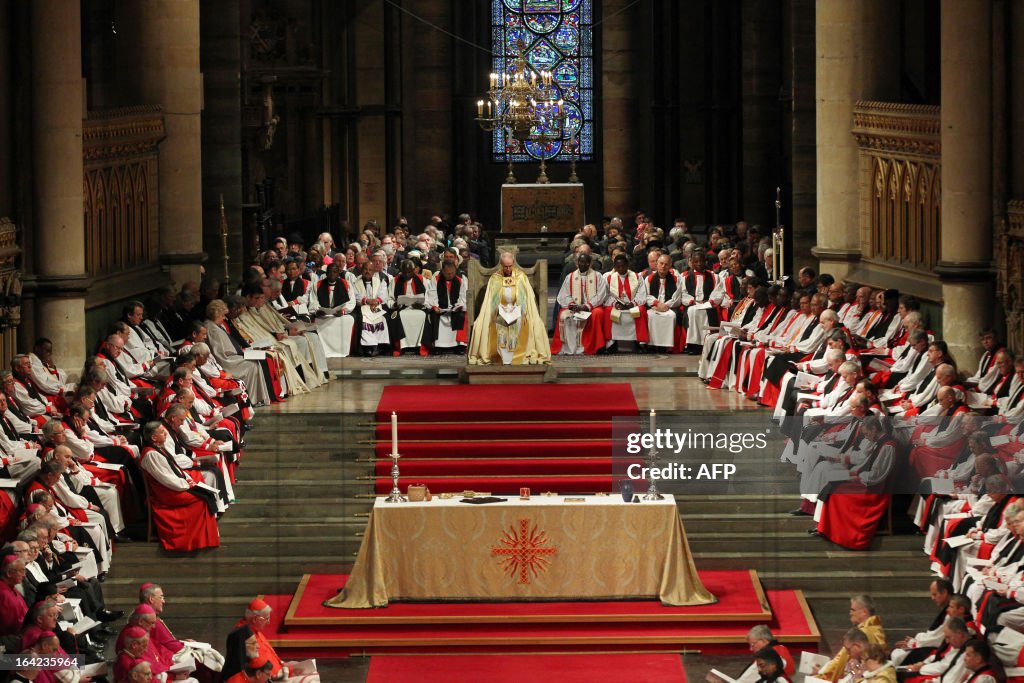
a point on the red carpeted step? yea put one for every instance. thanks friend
(791, 623)
(568, 448)
(739, 593)
(506, 485)
(496, 431)
(424, 467)
(474, 403)
(565, 668)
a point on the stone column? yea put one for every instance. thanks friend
(619, 107)
(58, 232)
(163, 50)
(966, 244)
(855, 42)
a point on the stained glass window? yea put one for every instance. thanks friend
(557, 35)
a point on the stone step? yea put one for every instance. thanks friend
(224, 568)
(908, 581)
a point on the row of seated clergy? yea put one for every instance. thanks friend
(995, 532)
(80, 491)
(408, 309)
(33, 565)
(301, 352)
(757, 361)
(665, 309)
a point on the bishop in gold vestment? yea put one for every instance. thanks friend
(508, 329)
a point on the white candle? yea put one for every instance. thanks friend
(394, 433)
(652, 420)
(479, 108)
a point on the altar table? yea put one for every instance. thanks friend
(544, 548)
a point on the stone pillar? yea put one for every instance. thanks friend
(58, 232)
(1015, 65)
(619, 107)
(803, 154)
(162, 41)
(222, 136)
(856, 43)
(966, 244)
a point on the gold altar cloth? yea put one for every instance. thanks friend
(539, 549)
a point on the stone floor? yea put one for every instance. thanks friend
(303, 508)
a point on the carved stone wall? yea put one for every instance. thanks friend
(121, 188)
(10, 290)
(900, 183)
(1010, 273)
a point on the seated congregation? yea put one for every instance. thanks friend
(148, 439)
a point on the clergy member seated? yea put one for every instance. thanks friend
(769, 666)
(662, 313)
(373, 294)
(446, 311)
(758, 638)
(333, 306)
(627, 295)
(508, 328)
(581, 321)
(247, 642)
(407, 317)
(696, 286)
(256, 670)
(184, 512)
(863, 617)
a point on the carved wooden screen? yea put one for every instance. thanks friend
(900, 185)
(1010, 272)
(121, 188)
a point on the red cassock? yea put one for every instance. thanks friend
(593, 336)
(8, 516)
(850, 516)
(927, 460)
(183, 520)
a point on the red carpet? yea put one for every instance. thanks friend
(454, 438)
(493, 431)
(739, 593)
(791, 621)
(581, 668)
(526, 402)
(497, 448)
(423, 467)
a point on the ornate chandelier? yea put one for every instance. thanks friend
(525, 104)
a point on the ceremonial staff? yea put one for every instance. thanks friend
(224, 241)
